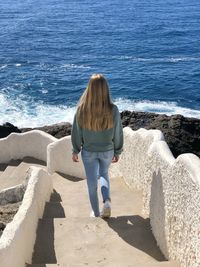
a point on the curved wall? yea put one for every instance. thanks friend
(59, 158)
(171, 192)
(18, 238)
(30, 144)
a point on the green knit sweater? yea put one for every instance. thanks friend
(98, 141)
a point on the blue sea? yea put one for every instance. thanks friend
(149, 50)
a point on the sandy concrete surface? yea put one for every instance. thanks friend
(67, 236)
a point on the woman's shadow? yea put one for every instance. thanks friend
(136, 231)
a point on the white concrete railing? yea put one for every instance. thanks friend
(30, 144)
(132, 164)
(59, 158)
(175, 204)
(18, 238)
(171, 192)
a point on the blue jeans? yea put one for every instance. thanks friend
(96, 166)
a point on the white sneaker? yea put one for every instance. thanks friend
(92, 214)
(106, 211)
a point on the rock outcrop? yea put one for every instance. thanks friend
(57, 130)
(182, 134)
(8, 128)
(7, 212)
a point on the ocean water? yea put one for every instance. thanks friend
(149, 50)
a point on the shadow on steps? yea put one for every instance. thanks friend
(3, 167)
(38, 265)
(44, 249)
(13, 163)
(136, 231)
(69, 177)
(55, 197)
(54, 208)
(31, 160)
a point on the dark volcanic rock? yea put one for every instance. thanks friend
(7, 212)
(8, 128)
(57, 130)
(182, 134)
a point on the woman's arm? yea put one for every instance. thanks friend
(76, 136)
(118, 138)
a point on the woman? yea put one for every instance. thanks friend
(97, 132)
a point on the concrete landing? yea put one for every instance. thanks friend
(160, 264)
(16, 172)
(67, 236)
(93, 241)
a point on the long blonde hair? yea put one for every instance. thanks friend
(95, 105)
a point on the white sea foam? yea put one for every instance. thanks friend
(75, 66)
(161, 107)
(18, 65)
(23, 114)
(158, 60)
(44, 91)
(63, 67)
(3, 67)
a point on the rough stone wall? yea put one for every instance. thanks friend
(130, 164)
(182, 206)
(134, 159)
(171, 193)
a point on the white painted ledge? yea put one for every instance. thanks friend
(18, 238)
(59, 158)
(30, 144)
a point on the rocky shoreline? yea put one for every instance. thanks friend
(182, 134)
(7, 212)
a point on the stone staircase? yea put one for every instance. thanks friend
(14, 173)
(68, 237)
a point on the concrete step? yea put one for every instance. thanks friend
(34, 162)
(2, 167)
(46, 265)
(75, 201)
(54, 210)
(161, 264)
(4, 177)
(97, 242)
(68, 237)
(13, 176)
(8, 170)
(156, 264)
(16, 172)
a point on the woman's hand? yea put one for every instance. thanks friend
(115, 159)
(75, 157)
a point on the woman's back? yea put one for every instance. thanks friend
(102, 140)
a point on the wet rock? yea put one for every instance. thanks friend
(8, 128)
(7, 212)
(57, 130)
(182, 134)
